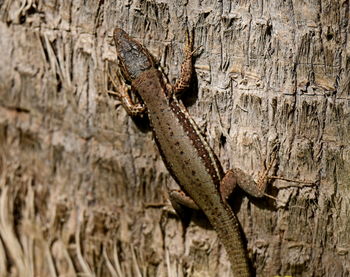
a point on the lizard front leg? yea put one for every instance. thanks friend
(122, 92)
(184, 81)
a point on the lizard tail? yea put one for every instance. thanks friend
(227, 227)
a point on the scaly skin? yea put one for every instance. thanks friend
(184, 150)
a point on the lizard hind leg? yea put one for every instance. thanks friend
(178, 197)
(247, 183)
(183, 205)
(257, 189)
(237, 177)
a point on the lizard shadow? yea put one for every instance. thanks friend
(143, 123)
(191, 95)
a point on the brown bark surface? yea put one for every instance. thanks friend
(80, 181)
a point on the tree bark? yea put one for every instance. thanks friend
(83, 188)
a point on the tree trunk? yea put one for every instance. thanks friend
(83, 187)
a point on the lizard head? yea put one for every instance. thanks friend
(134, 59)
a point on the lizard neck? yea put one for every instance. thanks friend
(150, 86)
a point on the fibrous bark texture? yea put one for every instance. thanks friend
(82, 186)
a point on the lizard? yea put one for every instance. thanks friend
(185, 152)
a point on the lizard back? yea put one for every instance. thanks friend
(191, 162)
